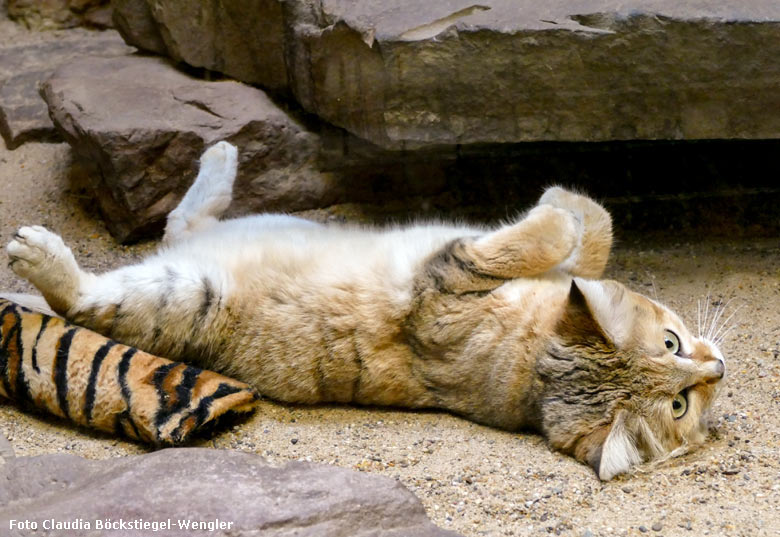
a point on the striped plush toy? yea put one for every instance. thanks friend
(75, 373)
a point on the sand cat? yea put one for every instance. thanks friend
(505, 326)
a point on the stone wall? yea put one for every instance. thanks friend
(406, 74)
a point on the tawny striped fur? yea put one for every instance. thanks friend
(504, 326)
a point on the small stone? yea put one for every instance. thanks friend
(294, 441)
(627, 490)
(657, 526)
(643, 529)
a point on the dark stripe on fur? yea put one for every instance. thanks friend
(44, 323)
(97, 361)
(61, 369)
(208, 298)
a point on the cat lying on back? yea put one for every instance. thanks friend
(506, 326)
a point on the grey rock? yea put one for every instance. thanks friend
(408, 74)
(139, 125)
(23, 114)
(243, 39)
(195, 484)
(133, 19)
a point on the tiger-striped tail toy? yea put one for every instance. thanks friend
(75, 373)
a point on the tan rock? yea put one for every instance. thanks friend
(406, 74)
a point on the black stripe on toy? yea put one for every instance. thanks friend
(201, 413)
(122, 368)
(22, 387)
(41, 330)
(97, 361)
(183, 396)
(4, 356)
(61, 369)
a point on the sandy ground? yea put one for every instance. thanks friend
(473, 479)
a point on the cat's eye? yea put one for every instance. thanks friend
(679, 405)
(672, 342)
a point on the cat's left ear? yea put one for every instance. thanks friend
(610, 450)
(578, 326)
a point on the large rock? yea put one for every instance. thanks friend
(23, 114)
(404, 73)
(140, 125)
(237, 492)
(54, 14)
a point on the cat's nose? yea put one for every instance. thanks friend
(720, 368)
(715, 369)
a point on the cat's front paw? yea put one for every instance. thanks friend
(41, 257)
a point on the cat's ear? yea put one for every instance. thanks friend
(619, 452)
(578, 325)
(610, 450)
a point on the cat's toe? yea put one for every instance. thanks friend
(33, 247)
(221, 155)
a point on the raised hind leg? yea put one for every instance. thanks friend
(208, 197)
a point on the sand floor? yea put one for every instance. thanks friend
(473, 479)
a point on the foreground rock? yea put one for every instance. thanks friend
(140, 126)
(238, 493)
(23, 114)
(54, 14)
(406, 73)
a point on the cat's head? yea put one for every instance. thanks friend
(625, 382)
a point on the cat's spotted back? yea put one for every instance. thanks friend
(504, 326)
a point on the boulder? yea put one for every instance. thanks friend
(231, 493)
(139, 125)
(55, 14)
(409, 74)
(23, 114)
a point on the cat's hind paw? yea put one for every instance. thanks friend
(209, 196)
(41, 257)
(218, 167)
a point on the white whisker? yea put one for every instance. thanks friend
(722, 337)
(698, 316)
(721, 309)
(706, 309)
(725, 323)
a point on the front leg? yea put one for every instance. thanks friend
(42, 258)
(165, 305)
(538, 243)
